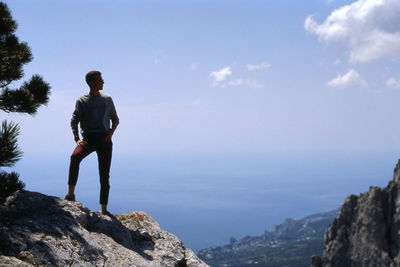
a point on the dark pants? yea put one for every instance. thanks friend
(95, 142)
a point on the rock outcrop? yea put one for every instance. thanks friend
(40, 230)
(367, 230)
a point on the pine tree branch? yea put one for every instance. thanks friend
(13, 56)
(9, 150)
(28, 98)
(4, 84)
(7, 24)
(9, 183)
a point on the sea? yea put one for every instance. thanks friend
(205, 199)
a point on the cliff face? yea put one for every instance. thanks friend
(367, 230)
(39, 230)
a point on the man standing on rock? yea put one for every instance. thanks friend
(94, 112)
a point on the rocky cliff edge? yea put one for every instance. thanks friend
(367, 230)
(40, 230)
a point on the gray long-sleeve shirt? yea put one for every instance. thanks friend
(94, 114)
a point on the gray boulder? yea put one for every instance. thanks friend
(366, 231)
(41, 230)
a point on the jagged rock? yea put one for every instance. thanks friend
(366, 231)
(40, 230)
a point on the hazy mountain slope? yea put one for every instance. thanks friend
(291, 243)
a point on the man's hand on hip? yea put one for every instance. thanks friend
(108, 136)
(81, 143)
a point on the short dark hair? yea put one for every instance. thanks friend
(92, 75)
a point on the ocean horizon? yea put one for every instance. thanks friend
(206, 199)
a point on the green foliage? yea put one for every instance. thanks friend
(25, 99)
(296, 253)
(13, 55)
(28, 98)
(9, 151)
(9, 183)
(7, 24)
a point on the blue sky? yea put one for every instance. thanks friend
(220, 103)
(158, 59)
(219, 76)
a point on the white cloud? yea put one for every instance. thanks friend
(369, 28)
(392, 82)
(259, 66)
(192, 67)
(351, 79)
(248, 83)
(221, 75)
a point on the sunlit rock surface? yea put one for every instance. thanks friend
(367, 230)
(40, 230)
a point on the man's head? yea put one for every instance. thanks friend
(94, 80)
